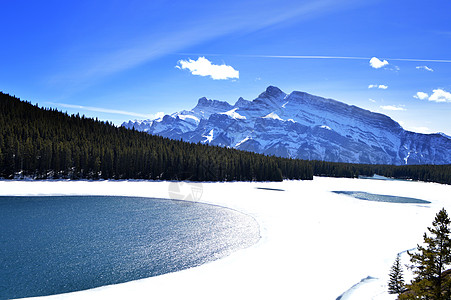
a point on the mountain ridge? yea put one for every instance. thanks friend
(301, 125)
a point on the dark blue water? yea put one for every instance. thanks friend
(381, 198)
(51, 245)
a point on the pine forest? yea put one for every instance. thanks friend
(44, 143)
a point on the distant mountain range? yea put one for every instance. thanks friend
(300, 125)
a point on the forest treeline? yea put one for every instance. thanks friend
(46, 143)
(427, 173)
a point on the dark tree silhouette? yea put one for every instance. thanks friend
(396, 283)
(429, 262)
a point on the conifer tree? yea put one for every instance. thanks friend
(396, 282)
(430, 260)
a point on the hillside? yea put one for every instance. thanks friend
(42, 143)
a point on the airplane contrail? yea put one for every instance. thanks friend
(324, 57)
(309, 57)
(352, 57)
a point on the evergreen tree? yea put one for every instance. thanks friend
(430, 260)
(396, 283)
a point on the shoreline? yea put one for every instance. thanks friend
(299, 227)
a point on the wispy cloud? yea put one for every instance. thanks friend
(424, 68)
(234, 18)
(377, 63)
(204, 67)
(438, 95)
(393, 107)
(376, 86)
(107, 110)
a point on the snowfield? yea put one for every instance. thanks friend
(314, 244)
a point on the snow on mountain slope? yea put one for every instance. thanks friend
(301, 125)
(233, 114)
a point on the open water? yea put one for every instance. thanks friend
(57, 244)
(382, 198)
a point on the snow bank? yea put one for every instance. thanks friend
(315, 244)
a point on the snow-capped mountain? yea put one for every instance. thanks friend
(300, 125)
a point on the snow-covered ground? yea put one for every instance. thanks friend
(315, 244)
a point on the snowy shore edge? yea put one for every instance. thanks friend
(315, 244)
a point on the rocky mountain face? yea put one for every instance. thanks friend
(300, 125)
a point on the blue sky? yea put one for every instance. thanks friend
(122, 60)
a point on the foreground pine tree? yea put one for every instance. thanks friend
(430, 261)
(396, 283)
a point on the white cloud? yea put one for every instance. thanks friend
(380, 86)
(372, 100)
(424, 68)
(421, 95)
(440, 95)
(203, 67)
(377, 63)
(392, 107)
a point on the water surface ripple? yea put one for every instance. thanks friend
(57, 244)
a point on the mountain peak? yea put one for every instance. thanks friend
(211, 106)
(273, 89)
(203, 101)
(272, 92)
(241, 102)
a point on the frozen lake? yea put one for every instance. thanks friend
(315, 244)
